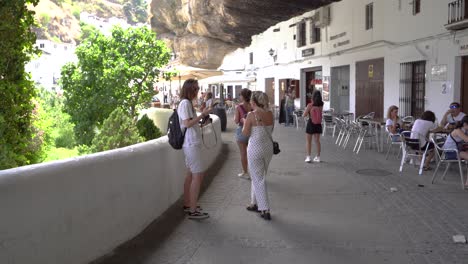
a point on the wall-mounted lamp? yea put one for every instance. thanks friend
(271, 52)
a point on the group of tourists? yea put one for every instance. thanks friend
(454, 123)
(255, 123)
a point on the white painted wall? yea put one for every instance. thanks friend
(398, 36)
(76, 210)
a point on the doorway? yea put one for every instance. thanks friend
(370, 87)
(464, 83)
(339, 89)
(412, 88)
(270, 89)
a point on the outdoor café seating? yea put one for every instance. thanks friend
(446, 156)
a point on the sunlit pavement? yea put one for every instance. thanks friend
(322, 213)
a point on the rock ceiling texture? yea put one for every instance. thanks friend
(202, 32)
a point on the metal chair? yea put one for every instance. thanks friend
(329, 122)
(412, 148)
(298, 118)
(407, 121)
(342, 126)
(392, 140)
(443, 156)
(366, 134)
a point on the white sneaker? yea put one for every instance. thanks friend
(244, 175)
(308, 160)
(317, 159)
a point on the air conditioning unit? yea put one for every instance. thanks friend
(324, 17)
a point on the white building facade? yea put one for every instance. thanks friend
(365, 56)
(46, 69)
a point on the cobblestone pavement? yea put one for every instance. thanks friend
(322, 213)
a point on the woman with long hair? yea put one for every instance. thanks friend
(241, 114)
(192, 148)
(259, 126)
(314, 125)
(420, 130)
(393, 123)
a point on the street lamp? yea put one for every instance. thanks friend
(271, 52)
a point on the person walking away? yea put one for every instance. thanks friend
(239, 118)
(314, 125)
(259, 126)
(192, 148)
(289, 107)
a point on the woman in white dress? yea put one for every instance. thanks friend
(259, 126)
(192, 148)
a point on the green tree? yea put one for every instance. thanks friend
(112, 71)
(16, 89)
(118, 131)
(148, 129)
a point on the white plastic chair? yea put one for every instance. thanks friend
(441, 154)
(299, 119)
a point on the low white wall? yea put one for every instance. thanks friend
(76, 210)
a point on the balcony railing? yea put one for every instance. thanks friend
(457, 15)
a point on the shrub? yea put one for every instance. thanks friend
(117, 131)
(45, 19)
(148, 129)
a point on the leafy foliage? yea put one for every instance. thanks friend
(116, 71)
(148, 129)
(61, 129)
(118, 131)
(136, 11)
(16, 88)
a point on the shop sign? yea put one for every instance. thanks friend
(439, 72)
(464, 48)
(371, 71)
(308, 52)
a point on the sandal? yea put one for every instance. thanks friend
(253, 208)
(265, 215)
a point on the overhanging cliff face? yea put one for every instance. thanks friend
(202, 32)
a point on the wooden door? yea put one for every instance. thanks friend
(464, 83)
(370, 87)
(270, 89)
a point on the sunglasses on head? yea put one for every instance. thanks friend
(454, 107)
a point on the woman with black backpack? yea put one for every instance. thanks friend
(190, 122)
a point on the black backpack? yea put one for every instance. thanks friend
(174, 132)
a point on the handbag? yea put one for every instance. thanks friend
(276, 149)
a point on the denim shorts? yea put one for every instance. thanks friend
(450, 155)
(240, 137)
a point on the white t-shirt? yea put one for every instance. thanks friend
(454, 119)
(209, 102)
(389, 123)
(193, 134)
(422, 127)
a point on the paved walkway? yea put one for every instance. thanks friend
(322, 213)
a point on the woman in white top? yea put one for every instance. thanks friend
(420, 130)
(392, 125)
(208, 101)
(259, 126)
(192, 148)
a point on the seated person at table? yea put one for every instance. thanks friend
(452, 116)
(456, 138)
(393, 124)
(420, 130)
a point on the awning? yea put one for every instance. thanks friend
(186, 72)
(229, 78)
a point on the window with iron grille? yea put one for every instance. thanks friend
(416, 7)
(370, 16)
(301, 34)
(412, 88)
(315, 33)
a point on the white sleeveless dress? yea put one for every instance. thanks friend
(259, 154)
